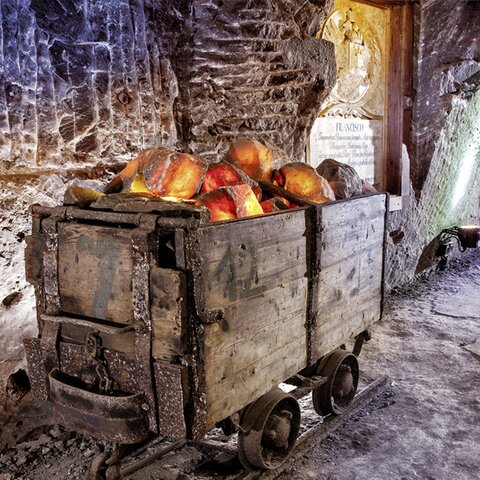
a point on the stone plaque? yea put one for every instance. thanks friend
(355, 141)
(350, 126)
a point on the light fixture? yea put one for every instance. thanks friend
(467, 236)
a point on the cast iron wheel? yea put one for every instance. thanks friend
(268, 431)
(336, 394)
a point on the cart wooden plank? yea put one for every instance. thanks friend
(95, 272)
(245, 258)
(351, 270)
(95, 281)
(255, 270)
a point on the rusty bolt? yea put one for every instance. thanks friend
(146, 407)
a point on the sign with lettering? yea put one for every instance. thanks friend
(355, 141)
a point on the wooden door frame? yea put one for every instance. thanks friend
(399, 93)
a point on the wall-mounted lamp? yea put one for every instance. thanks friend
(467, 236)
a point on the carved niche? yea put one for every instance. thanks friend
(350, 124)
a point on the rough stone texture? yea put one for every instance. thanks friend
(343, 178)
(83, 80)
(255, 75)
(450, 195)
(445, 153)
(447, 54)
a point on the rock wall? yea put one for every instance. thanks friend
(257, 72)
(89, 81)
(86, 84)
(447, 59)
(450, 194)
(85, 81)
(445, 138)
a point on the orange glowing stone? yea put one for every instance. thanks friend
(229, 203)
(223, 174)
(254, 158)
(162, 172)
(275, 204)
(137, 185)
(302, 180)
(80, 196)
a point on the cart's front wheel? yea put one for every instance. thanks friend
(337, 392)
(268, 431)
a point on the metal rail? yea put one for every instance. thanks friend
(318, 433)
(307, 441)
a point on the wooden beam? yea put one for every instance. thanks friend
(399, 91)
(394, 102)
(407, 74)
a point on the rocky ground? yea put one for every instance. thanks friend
(426, 426)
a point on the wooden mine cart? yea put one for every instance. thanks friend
(155, 322)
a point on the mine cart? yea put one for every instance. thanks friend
(154, 321)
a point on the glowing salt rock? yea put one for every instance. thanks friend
(302, 180)
(137, 185)
(224, 174)
(275, 204)
(229, 203)
(163, 172)
(256, 159)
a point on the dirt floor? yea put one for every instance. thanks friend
(426, 426)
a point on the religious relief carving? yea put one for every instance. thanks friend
(359, 66)
(350, 125)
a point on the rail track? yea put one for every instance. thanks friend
(215, 460)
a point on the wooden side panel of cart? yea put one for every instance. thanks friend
(351, 270)
(254, 269)
(258, 270)
(95, 281)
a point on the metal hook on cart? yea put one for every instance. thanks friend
(94, 345)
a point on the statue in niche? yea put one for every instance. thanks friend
(359, 66)
(350, 30)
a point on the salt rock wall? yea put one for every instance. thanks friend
(85, 80)
(258, 72)
(445, 136)
(450, 194)
(87, 84)
(447, 58)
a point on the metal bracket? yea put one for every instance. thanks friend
(50, 263)
(141, 312)
(359, 341)
(315, 244)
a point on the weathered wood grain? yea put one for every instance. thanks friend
(351, 261)
(236, 390)
(95, 272)
(244, 259)
(168, 295)
(255, 270)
